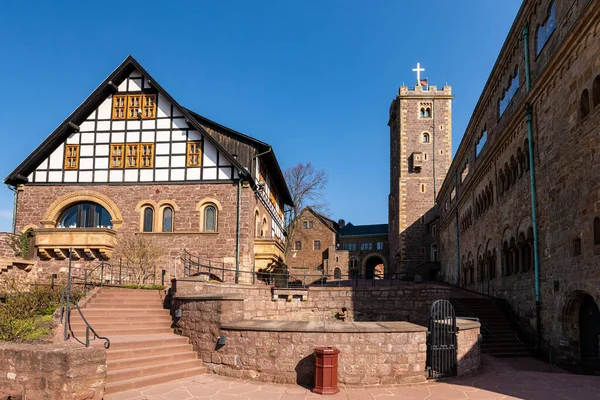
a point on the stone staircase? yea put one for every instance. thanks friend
(498, 331)
(143, 349)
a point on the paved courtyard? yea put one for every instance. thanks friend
(508, 379)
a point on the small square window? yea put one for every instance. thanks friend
(317, 245)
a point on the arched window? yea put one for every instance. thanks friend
(85, 215)
(337, 273)
(148, 219)
(427, 112)
(596, 231)
(167, 222)
(210, 219)
(263, 231)
(425, 137)
(596, 91)
(257, 224)
(584, 104)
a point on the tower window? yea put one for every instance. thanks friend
(425, 137)
(422, 188)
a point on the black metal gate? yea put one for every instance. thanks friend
(441, 340)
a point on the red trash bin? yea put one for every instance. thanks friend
(326, 370)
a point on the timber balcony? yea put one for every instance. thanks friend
(267, 250)
(88, 243)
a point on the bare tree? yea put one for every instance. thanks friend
(140, 253)
(306, 186)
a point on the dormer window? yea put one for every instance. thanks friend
(134, 106)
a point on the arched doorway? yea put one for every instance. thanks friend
(589, 332)
(374, 267)
(581, 327)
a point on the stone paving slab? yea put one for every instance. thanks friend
(498, 380)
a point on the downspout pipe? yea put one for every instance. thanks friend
(457, 230)
(529, 121)
(238, 231)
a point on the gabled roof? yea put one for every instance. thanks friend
(364, 230)
(331, 224)
(268, 156)
(106, 88)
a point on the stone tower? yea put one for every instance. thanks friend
(420, 156)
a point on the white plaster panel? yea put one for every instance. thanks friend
(101, 162)
(164, 107)
(176, 112)
(146, 175)
(102, 137)
(54, 176)
(123, 86)
(30, 177)
(133, 137)
(162, 148)
(101, 176)
(118, 125)
(161, 162)
(177, 174)
(149, 124)
(209, 173)
(116, 175)
(41, 176)
(148, 137)
(224, 173)
(178, 148)
(87, 137)
(178, 136)
(163, 136)
(70, 176)
(85, 176)
(135, 85)
(102, 150)
(86, 163)
(134, 124)
(56, 158)
(105, 109)
(210, 155)
(179, 123)
(87, 126)
(73, 138)
(92, 116)
(161, 175)
(86, 150)
(178, 161)
(118, 137)
(103, 126)
(131, 175)
(44, 164)
(193, 174)
(163, 123)
(194, 135)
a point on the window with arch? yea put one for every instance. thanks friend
(426, 138)
(85, 215)
(148, 222)
(481, 140)
(584, 104)
(545, 30)
(596, 231)
(596, 92)
(263, 231)
(337, 273)
(509, 93)
(167, 219)
(210, 218)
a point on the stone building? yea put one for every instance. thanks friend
(420, 121)
(368, 249)
(520, 206)
(132, 160)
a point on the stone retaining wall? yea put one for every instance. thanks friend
(52, 372)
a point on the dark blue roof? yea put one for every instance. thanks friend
(364, 230)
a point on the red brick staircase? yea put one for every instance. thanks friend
(498, 331)
(143, 349)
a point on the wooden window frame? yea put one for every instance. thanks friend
(112, 164)
(141, 156)
(123, 108)
(189, 153)
(132, 108)
(127, 156)
(146, 107)
(127, 108)
(68, 157)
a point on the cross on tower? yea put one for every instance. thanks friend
(418, 70)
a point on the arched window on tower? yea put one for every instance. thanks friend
(584, 104)
(425, 137)
(210, 219)
(428, 112)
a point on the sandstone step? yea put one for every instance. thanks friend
(114, 355)
(117, 312)
(134, 362)
(79, 324)
(138, 372)
(140, 341)
(135, 319)
(79, 332)
(120, 386)
(141, 305)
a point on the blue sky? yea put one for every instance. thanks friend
(312, 78)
